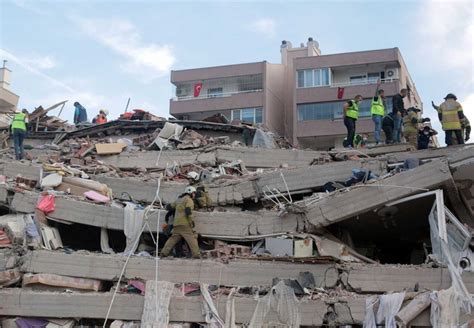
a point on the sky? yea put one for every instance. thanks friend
(101, 53)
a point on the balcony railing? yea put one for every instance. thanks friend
(361, 82)
(216, 95)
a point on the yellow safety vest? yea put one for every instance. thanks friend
(449, 109)
(180, 217)
(19, 121)
(377, 107)
(353, 110)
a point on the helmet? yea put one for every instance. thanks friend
(189, 190)
(105, 111)
(451, 96)
(193, 175)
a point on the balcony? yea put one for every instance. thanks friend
(365, 81)
(213, 95)
(234, 100)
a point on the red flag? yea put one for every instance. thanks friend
(197, 89)
(340, 93)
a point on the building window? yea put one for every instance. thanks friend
(313, 78)
(334, 110)
(358, 79)
(249, 115)
(373, 77)
(214, 92)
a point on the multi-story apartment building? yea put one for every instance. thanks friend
(302, 98)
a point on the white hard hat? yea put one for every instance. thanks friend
(105, 111)
(193, 175)
(189, 190)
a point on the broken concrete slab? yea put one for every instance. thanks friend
(153, 159)
(386, 278)
(239, 272)
(362, 198)
(454, 153)
(12, 169)
(235, 224)
(314, 177)
(27, 303)
(267, 158)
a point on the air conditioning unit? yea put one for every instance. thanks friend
(390, 74)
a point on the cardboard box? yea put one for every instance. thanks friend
(110, 148)
(289, 247)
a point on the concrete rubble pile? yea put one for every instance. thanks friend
(291, 238)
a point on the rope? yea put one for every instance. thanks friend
(145, 224)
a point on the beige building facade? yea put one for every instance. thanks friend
(301, 98)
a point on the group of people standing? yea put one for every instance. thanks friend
(405, 123)
(80, 115)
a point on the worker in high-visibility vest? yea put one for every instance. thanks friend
(377, 109)
(18, 129)
(451, 114)
(351, 114)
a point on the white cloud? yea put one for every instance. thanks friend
(151, 60)
(34, 69)
(468, 106)
(446, 30)
(29, 5)
(40, 62)
(265, 26)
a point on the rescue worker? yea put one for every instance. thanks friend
(450, 114)
(465, 124)
(351, 114)
(202, 200)
(410, 125)
(424, 136)
(387, 127)
(183, 225)
(18, 127)
(377, 109)
(398, 109)
(101, 117)
(80, 113)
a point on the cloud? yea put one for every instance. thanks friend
(468, 106)
(40, 62)
(28, 65)
(265, 26)
(446, 28)
(151, 60)
(29, 5)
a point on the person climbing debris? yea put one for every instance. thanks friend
(183, 227)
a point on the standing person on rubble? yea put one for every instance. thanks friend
(465, 125)
(18, 127)
(398, 110)
(450, 114)
(410, 125)
(80, 113)
(101, 117)
(387, 127)
(202, 199)
(183, 227)
(351, 114)
(377, 109)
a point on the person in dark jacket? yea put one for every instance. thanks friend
(80, 113)
(424, 137)
(398, 109)
(387, 127)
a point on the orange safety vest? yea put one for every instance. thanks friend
(101, 119)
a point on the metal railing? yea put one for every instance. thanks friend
(361, 82)
(219, 95)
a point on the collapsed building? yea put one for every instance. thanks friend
(379, 236)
